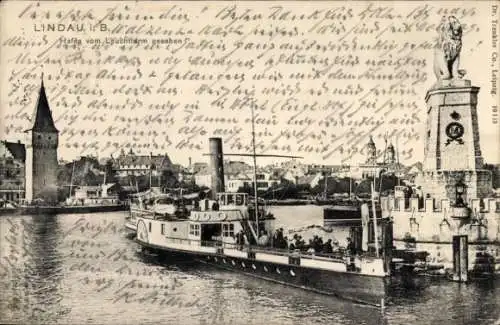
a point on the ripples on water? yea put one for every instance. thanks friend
(82, 269)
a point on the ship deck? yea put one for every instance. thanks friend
(322, 273)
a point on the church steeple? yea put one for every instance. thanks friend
(391, 154)
(371, 154)
(42, 116)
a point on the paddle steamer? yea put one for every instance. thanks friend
(231, 232)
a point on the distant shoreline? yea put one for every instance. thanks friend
(39, 210)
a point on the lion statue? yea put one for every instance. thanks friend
(447, 54)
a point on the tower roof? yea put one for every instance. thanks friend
(370, 142)
(42, 117)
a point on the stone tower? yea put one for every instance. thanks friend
(371, 152)
(391, 155)
(41, 153)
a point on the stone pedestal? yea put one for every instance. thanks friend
(452, 153)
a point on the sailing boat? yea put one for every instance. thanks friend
(227, 233)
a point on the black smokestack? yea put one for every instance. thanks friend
(217, 166)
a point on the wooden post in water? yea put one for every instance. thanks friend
(460, 258)
(387, 239)
(365, 220)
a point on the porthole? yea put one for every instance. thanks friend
(278, 271)
(292, 273)
(243, 264)
(174, 229)
(233, 262)
(265, 269)
(254, 267)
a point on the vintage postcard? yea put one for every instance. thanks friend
(249, 162)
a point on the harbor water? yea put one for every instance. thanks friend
(84, 269)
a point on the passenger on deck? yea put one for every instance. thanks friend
(317, 244)
(274, 239)
(300, 244)
(264, 238)
(327, 247)
(278, 240)
(350, 246)
(311, 249)
(240, 239)
(293, 242)
(215, 206)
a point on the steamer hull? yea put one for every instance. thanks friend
(226, 237)
(355, 287)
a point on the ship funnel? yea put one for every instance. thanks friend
(217, 166)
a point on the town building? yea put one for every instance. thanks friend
(264, 181)
(203, 174)
(373, 165)
(131, 164)
(12, 160)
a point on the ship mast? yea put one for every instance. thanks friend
(350, 186)
(350, 180)
(375, 230)
(397, 160)
(255, 173)
(71, 181)
(384, 161)
(325, 190)
(150, 169)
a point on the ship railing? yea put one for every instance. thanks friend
(268, 250)
(338, 256)
(194, 242)
(147, 214)
(333, 257)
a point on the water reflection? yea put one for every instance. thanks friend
(234, 298)
(41, 282)
(32, 263)
(43, 269)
